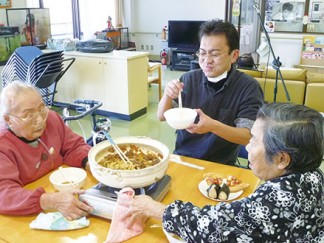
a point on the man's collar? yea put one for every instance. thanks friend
(218, 78)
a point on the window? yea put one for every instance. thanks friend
(316, 16)
(281, 15)
(60, 17)
(294, 16)
(93, 16)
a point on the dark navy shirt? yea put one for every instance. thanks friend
(235, 103)
(288, 208)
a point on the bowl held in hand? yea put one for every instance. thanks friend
(180, 118)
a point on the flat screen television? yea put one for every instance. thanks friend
(183, 34)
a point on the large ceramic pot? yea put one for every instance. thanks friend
(132, 178)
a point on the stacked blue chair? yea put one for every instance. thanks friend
(42, 70)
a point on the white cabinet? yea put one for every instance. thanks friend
(117, 79)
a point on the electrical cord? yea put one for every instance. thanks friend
(66, 114)
(82, 130)
(266, 74)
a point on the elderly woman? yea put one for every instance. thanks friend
(35, 141)
(286, 150)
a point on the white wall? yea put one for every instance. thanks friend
(146, 18)
(15, 4)
(152, 15)
(287, 46)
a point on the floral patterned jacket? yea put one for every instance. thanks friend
(286, 209)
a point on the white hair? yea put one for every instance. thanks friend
(10, 93)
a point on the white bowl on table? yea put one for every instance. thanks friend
(180, 118)
(66, 179)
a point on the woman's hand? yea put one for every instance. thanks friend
(141, 208)
(66, 203)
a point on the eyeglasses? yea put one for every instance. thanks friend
(213, 55)
(32, 116)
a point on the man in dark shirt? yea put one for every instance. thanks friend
(226, 100)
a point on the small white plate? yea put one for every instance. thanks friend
(203, 186)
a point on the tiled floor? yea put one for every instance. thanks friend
(146, 125)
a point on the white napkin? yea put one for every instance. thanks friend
(90, 238)
(56, 221)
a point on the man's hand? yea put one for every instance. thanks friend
(171, 92)
(173, 89)
(66, 203)
(238, 135)
(204, 125)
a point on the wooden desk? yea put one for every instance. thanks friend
(184, 186)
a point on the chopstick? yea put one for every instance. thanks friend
(180, 105)
(178, 160)
(188, 164)
(66, 178)
(121, 154)
(180, 100)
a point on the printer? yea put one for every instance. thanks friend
(95, 46)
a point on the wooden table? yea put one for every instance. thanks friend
(184, 186)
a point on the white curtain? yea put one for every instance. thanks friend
(119, 13)
(93, 17)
